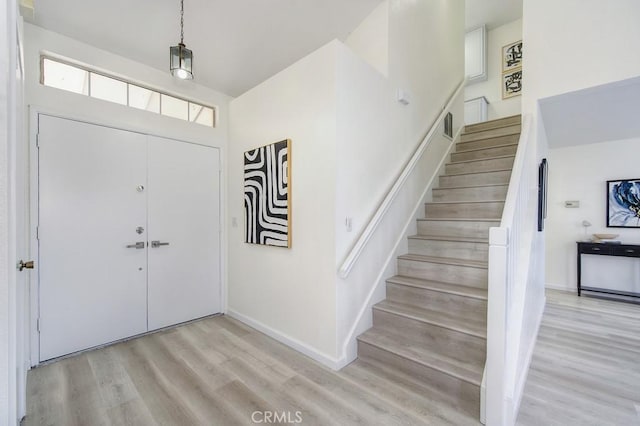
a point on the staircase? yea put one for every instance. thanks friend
(431, 328)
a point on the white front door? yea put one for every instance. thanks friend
(93, 287)
(184, 219)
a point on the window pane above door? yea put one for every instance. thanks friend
(174, 107)
(108, 89)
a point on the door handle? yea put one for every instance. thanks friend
(22, 265)
(156, 244)
(139, 245)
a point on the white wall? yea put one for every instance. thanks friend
(39, 41)
(564, 55)
(370, 40)
(362, 151)
(426, 55)
(579, 173)
(575, 44)
(492, 87)
(289, 293)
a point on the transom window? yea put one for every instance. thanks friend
(76, 79)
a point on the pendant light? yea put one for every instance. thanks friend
(181, 58)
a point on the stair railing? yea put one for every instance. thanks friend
(510, 254)
(372, 225)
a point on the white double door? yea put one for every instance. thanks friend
(128, 234)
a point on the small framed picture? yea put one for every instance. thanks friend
(623, 203)
(512, 56)
(511, 84)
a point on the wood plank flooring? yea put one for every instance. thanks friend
(585, 371)
(218, 371)
(586, 364)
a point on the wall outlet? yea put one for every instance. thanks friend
(348, 223)
(234, 222)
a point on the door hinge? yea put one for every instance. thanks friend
(38, 233)
(38, 140)
(38, 325)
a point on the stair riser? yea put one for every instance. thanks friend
(507, 121)
(444, 228)
(455, 274)
(465, 210)
(486, 178)
(487, 143)
(470, 194)
(465, 396)
(443, 341)
(484, 153)
(491, 133)
(489, 165)
(422, 297)
(453, 249)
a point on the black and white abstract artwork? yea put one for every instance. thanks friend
(511, 84)
(267, 196)
(512, 56)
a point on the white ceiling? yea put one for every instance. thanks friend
(236, 43)
(600, 114)
(492, 13)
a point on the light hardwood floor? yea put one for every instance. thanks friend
(219, 372)
(586, 364)
(585, 371)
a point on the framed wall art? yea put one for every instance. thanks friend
(512, 56)
(623, 203)
(511, 84)
(267, 195)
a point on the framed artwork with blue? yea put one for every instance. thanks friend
(623, 203)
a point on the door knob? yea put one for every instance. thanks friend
(139, 245)
(156, 244)
(25, 265)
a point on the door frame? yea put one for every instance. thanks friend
(34, 189)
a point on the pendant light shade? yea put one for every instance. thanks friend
(181, 58)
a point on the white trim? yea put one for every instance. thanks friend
(550, 286)
(34, 300)
(347, 355)
(523, 378)
(293, 343)
(373, 224)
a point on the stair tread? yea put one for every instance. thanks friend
(457, 289)
(491, 123)
(452, 238)
(445, 260)
(466, 202)
(475, 173)
(474, 325)
(483, 148)
(472, 186)
(460, 219)
(397, 344)
(508, 131)
(475, 160)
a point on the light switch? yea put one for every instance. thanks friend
(234, 222)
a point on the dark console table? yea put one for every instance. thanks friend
(603, 249)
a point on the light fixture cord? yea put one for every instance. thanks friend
(181, 21)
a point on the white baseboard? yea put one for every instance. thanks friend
(551, 286)
(293, 343)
